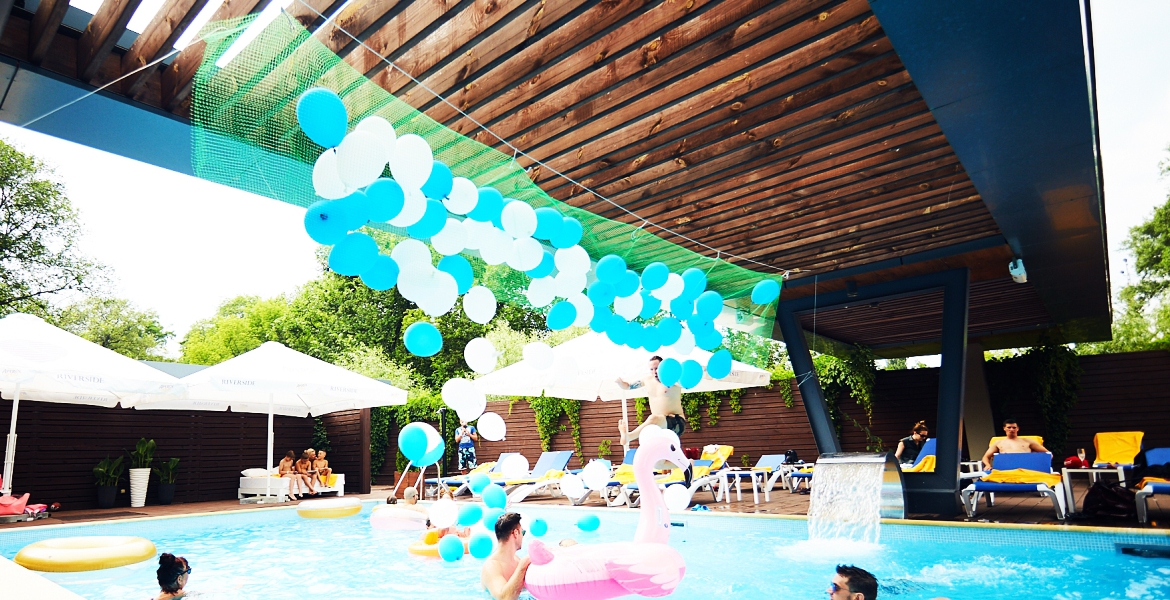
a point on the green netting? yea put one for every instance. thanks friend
(246, 135)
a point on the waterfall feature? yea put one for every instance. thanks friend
(851, 493)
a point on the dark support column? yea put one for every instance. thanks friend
(364, 448)
(810, 389)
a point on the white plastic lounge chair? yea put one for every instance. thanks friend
(621, 475)
(543, 476)
(1032, 461)
(462, 483)
(759, 476)
(1154, 456)
(705, 474)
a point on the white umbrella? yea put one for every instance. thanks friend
(587, 368)
(276, 380)
(41, 362)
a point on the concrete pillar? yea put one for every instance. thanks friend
(978, 425)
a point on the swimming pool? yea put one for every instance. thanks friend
(275, 554)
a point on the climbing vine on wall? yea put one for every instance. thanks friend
(420, 406)
(548, 420)
(782, 375)
(695, 404)
(1048, 375)
(855, 375)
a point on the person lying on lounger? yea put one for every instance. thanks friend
(288, 469)
(1013, 444)
(322, 467)
(304, 466)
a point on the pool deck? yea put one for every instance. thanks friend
(1008, 509)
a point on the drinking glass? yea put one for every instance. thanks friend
(1081, 454)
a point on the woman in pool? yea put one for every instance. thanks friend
(288, 469)
(172, 576)
(304, 466)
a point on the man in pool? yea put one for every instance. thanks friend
(1013, 444)
(503, 573)
(852, 583)
(666, 409)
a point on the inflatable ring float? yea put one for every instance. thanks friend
(397, 518)
(428, 545)
(329, 508)
(73, 554)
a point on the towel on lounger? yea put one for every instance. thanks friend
(331, 482)
(1141, 484)
(1117, 447)
(1023, 476)
(926, 465)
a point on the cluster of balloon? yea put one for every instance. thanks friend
(466, 400)
(420, 444)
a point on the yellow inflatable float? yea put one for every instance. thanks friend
(329, 508)
(68, 555)
(428, 544)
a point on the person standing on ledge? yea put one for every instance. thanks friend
(910, 446)
(466, 436)
(1013, 444)
(666, 408)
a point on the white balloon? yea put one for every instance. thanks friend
(361, 157)
(539, 356)
(628, 307)
(584, 309)
(472, 408)
(573, 259)
(491, 427)
(444, 513)
(572, 486)
(411, 255)
(326, 182)
(442, 293)
(451, 239)
(463, 197)
(412, 161)
(480, 355)
(669, 290)
(382, 129)
(685, 343)
(413, 207)
(496, 249)
(478, 233)
(518, 219)
(526, 254)
(541, 292)
(569, 283)
(596, 476)
(456, 391)
(513, 467)
(479, 304)
(677, 497)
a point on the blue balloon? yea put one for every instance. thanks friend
(548, 222)
(654, 275)
(322, 116)
(460, 269)
(470, 514)
(490, 516)
(682, 308)
(451, 548)
(423, 339)
(650, 305)
(498, 219)
(766, 291)
(438, 185)
(627, 285)
(610, 268)
(539, 528)
(669, 371)
(545, 268)
(432, 456)
(412, 442)
(478, 482)
(357, 210)
(698, 324)
(561, 315)
(327, 222)
(600, 319)
(384, 199)
(616, 329)
(719, 365)
(481, 545)
(650, 340)
(488, 208)
(353, 254)
(709, 339)
(669, 330)
(709, 305)
(692, 374)
(431, 223)
(495, 497)
(588, 523)
(568, 234)
(382, 275)
(694, 282)
(600, 294)
(633, 335)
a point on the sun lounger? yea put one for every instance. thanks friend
(1154, 456)
(623, 474)
(462, 483)
(1039, 462)
(549, 468)
(1117, 448)
(258, 486)
(704, 475)
(760, 476)
(925, 462)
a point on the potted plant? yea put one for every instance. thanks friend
(140, 460)
(108, 474)
(166, 480)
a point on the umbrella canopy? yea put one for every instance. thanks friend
(587, 367)
(45, 363)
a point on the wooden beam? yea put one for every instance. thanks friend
(397, 32)
(355, 18)
(101, 34)
(5, 10)
(44, 28)
(179, 76)
(160, 35)
(307, 12)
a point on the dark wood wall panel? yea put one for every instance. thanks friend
(349, 438)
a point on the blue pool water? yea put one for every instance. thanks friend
(274, 554)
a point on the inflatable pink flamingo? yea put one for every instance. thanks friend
(647, 566)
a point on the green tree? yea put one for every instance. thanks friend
(116, 324)
(241, 324)
(38, 237)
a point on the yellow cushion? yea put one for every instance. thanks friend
(1023, 476)
(331, 482)
(926, 466)
(718, 456)
(624, 474)
(1141, 484)
(1117, 447)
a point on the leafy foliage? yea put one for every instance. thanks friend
(116, 324)
(603, 449)
(109, 472)
(548, 420)
(166, 471)
(142, 454)
(855, 376)
(1048, 375)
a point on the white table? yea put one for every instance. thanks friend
(1093, 473)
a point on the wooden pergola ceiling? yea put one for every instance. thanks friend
(785, 132)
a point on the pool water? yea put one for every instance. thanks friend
(275, 554)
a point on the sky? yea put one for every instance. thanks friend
(180, 246)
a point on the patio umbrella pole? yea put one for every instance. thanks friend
(271, 443)
(401, 479)
(10, 448)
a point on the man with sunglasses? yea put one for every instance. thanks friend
(852, 583)
(503, 573)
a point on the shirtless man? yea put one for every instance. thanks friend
(666, 409)
(1013, 444)
(503, 573)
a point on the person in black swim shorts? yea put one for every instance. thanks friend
(666, 409)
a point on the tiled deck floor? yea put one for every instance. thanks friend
(1008, 509)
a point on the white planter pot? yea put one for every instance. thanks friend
(139, 480)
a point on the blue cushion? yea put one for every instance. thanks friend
(991, 486)
(1157, 456)
(1158, 488)
(1032, 461)
(801, 475)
